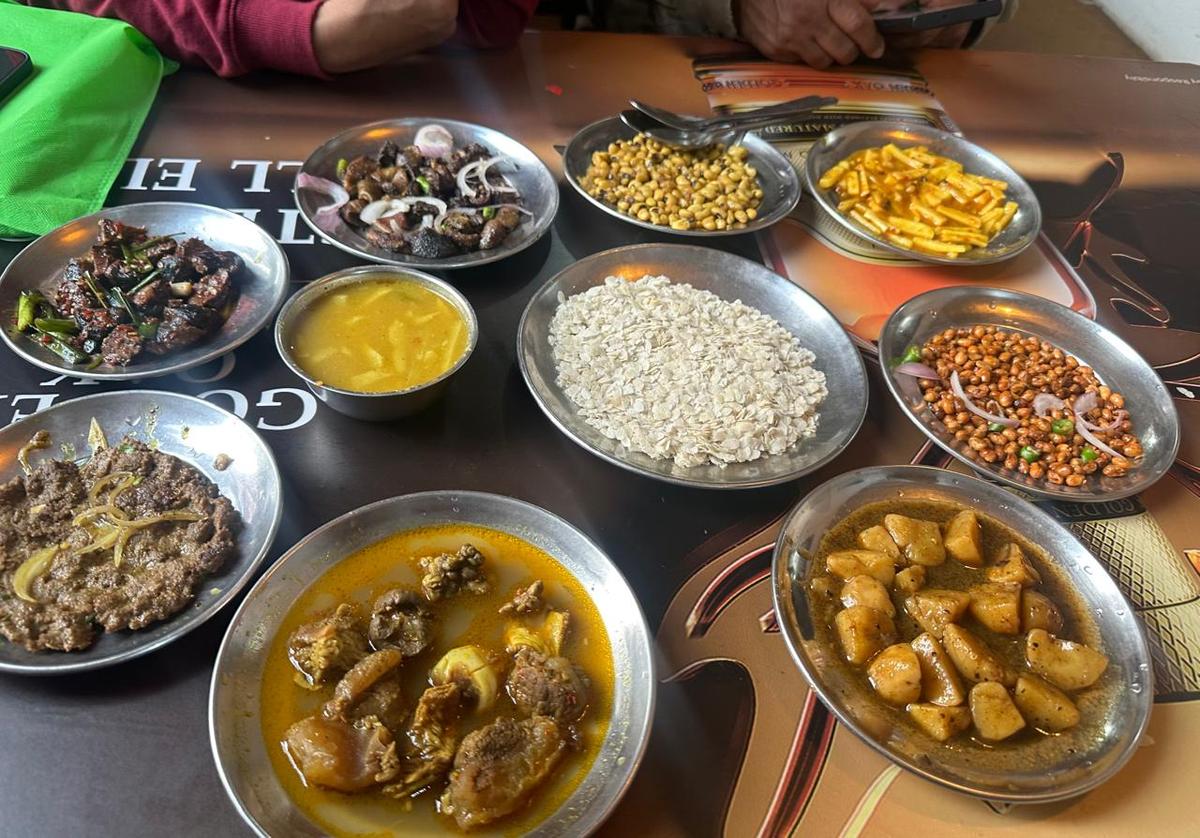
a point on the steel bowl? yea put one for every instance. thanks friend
(730, 278)
(841, 142)
(262, 284)
(539, 192)
(1129, 678)
(392, 404)
(196, 432)
(777, 176)
(1116, 363)
(234, 718)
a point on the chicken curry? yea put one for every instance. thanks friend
(967, 630)
(443, 679)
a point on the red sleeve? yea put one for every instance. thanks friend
(489, 24)
(232, 37)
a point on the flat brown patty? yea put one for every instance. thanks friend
(80, 594)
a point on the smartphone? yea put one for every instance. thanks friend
(15, 67)
(913, 18)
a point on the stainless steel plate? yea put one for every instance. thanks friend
(539, 192)
(841, 142)
(964, 769)
(778, 178)
(234, 702)
(1116, 363)
(262, 284)
(730, 278)
(193, 430)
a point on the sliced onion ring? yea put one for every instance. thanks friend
(1043, 403)
(1086, 430)
(917, 370)
(326, 217)
(961, 394)
(386, 207)
(479, 168)
(1119, 416)
(434, 140)
(1085, 403)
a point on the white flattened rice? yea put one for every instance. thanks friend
(678, 373)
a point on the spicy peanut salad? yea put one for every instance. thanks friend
(1024, 404)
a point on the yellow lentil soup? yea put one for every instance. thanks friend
(378, 335)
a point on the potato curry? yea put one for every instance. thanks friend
(443, 679)
(955, 620)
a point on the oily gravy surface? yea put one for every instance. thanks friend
(510, 563)
(1027, 750)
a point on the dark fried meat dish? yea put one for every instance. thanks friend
(134, 293)
(450, 221)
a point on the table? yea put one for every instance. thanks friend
(739, 745)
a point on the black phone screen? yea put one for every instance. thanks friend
(913, 18)
(15, 67)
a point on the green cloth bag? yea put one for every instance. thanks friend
(66, 132)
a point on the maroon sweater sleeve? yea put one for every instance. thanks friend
(232, 37)
(490, 24)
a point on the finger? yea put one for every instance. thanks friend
(812, 54)
(774, 49)
(782, 55)
(837, 45)
(858, 25)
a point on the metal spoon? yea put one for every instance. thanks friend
(697, 123)
(728, 133)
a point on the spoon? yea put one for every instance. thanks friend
(689, 139)
(696, 123)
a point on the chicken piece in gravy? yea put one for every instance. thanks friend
(473, 695)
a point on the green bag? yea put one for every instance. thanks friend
(65, 133)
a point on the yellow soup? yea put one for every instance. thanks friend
(465, 618)
(378, 335)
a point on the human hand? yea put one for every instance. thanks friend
(355, 34)
(817, 32)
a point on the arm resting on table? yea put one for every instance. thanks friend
(309, 37)
(232, 37)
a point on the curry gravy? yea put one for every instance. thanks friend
(1029, 748)
(462, 619)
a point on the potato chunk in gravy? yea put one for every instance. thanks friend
(961, 629)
